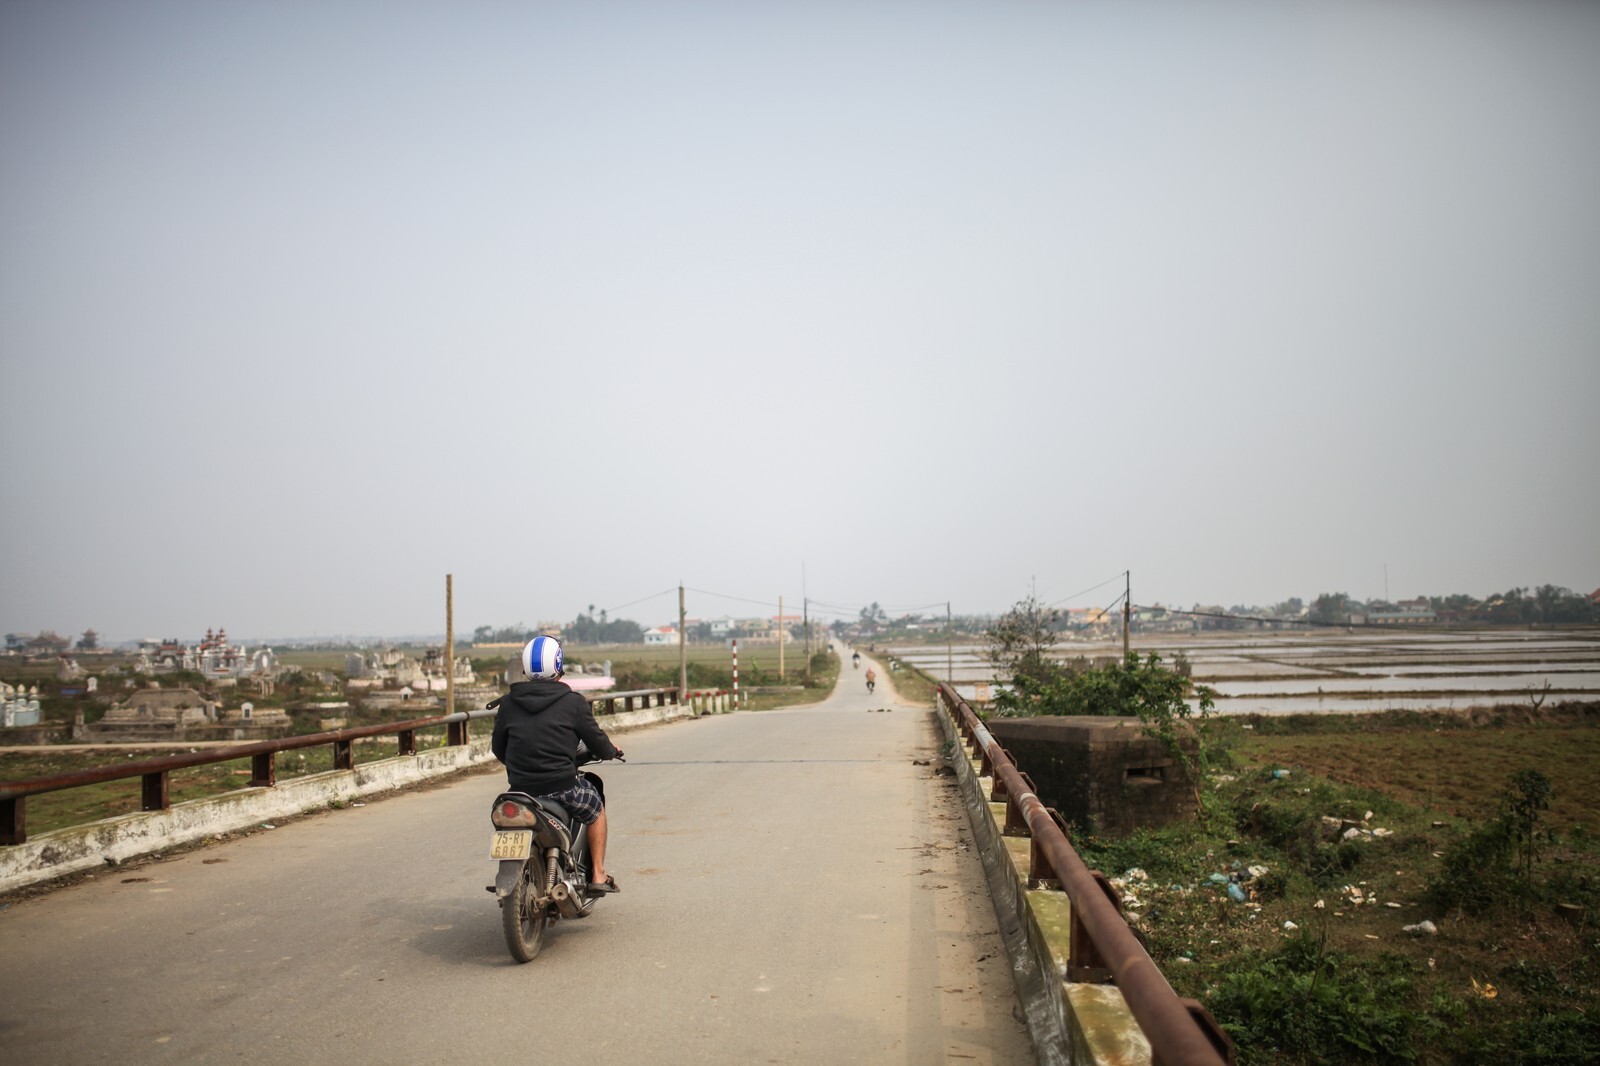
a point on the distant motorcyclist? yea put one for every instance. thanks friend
(855, 660)
(536, 735)
(872, 679)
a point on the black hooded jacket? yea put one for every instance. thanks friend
(536, 734)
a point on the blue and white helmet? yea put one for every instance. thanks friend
(541, 658)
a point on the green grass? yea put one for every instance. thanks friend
(710, 666)
(912, 685)
(1452, 773)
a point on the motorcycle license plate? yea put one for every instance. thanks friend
(511, 844)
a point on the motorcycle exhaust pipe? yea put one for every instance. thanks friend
(567, 899)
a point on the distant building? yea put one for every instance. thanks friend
(164, 656)
(248, 714)
(18, 705)
(176, 707)
(661, 635)
(1409, 617)
(217, 658)
(47, 644)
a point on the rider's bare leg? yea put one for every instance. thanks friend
(597, 849)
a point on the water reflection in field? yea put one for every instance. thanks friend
(1281, 673)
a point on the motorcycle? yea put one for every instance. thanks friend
(544, 864)
(872, 683)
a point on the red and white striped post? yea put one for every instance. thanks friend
(735, 643)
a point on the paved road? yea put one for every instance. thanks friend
(795, 890)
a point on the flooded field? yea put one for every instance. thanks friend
(1280, 673)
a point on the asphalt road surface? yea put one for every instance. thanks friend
(794, 890)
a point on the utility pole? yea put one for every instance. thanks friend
(1127, 610)
(449, 644)
(805, 613)
(780, 638)
(683, 650)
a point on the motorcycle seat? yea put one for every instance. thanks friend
(551, 807)
(543, 803)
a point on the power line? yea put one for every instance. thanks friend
(641, 599)
(725, 596)
(1090, 589)
(1107, 608)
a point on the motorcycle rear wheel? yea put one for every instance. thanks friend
(522, 917)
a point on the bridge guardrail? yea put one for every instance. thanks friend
(155, 772)
(1102, 945)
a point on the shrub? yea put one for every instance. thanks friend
(1324, 1005)
(1493, 864)
(1475, 873)
(1290, 820)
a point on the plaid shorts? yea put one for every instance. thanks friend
(582, 800)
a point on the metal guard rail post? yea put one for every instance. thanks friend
(1181, 1032)
(154, 773)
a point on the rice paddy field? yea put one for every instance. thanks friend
(1333, 671)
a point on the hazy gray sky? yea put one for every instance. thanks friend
(304, 305)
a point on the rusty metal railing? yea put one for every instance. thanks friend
(1103, 948)
(606, 702)
(155, 773)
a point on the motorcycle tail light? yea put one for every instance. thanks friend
(510, 810)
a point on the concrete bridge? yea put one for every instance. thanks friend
(795, 889)
(798, 886)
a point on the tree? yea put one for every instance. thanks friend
(1019, 644)
(621, 631)
(1457, 607)
(1331, 608)
(1560, 605)
(1514, 607)
(1134, 687)
(1520, 804)
(481, 634)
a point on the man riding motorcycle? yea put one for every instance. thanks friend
(536, 733)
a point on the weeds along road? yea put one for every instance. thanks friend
(794, 890)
